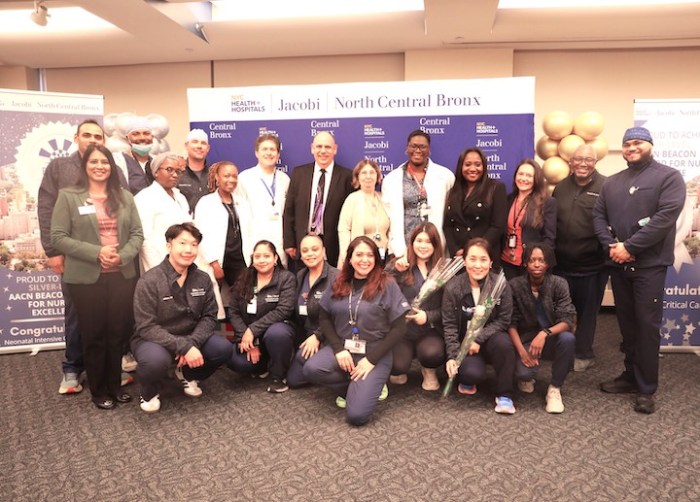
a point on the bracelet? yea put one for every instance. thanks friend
(547, 331)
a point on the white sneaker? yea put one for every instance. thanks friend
(583, 364)
(190, 387)
(150, 406)
(526, 386)
(129, 363)
(430, 379)
(554, 402)
(398, 379)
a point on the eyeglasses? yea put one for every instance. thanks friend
(587, 160)
(422, 148)
(172, 170)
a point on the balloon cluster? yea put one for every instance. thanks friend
(116, 127)
(563, 135)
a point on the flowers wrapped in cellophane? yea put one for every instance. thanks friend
(479, 317)
(437, 278)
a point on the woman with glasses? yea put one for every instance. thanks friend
(476, 206)
(161, 205)
(532, 217)
(363, 212)
(96, 226)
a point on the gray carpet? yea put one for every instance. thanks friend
(239, 443)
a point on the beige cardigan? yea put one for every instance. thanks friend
(354, 216)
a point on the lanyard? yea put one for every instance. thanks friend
(520, 211)
(375, 206)
(270, 189)
(420, 184)
(353, 317)
(231, 212)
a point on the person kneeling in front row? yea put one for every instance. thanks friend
(541, 325)
(175, 312)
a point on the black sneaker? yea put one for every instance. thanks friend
(620, 385)
(278, 386)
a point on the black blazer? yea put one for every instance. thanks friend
(298, 205)
(547, 233)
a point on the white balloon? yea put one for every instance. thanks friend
(124, 123)
(159, 125)
(117, 144)
(110, 124)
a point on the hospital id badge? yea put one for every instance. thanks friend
(356, 346)
(274, 215)
(303, 310)
(252, 306)
(512, 241)
(424, 211)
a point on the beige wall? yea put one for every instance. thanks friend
(608, 82)
(140, 89)
(573, 81)
(19, 77)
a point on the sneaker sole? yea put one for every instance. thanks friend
(470, 392)
(70, 390)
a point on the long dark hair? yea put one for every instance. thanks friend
(535, 206)
(483, 189)
(114, 189)
(248, 277)
(376, 280)
(431, 230)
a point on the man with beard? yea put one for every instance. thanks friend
(635, 221)
(194, 182)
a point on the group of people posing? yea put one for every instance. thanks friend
(316, 273)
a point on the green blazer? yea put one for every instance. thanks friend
(77, 236)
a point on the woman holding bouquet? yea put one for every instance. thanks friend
(424, 338)
(362, 318)
(463, 301)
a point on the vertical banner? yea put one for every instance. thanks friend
(675, 127)
(372, 120)
(36, 128)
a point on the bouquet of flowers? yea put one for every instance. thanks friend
(479, 318)
(437, 278)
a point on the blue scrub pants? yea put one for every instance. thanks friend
(276, 347)
(361, 396)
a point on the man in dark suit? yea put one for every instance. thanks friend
(314, 199)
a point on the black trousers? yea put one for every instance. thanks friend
(639, 296)
(105, 319)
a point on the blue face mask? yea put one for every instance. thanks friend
(142, 149)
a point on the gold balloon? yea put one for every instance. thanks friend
(555, 169)
(557, 124)
(589, 125)
(568, 146)
(600, 145)
(546, 147)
